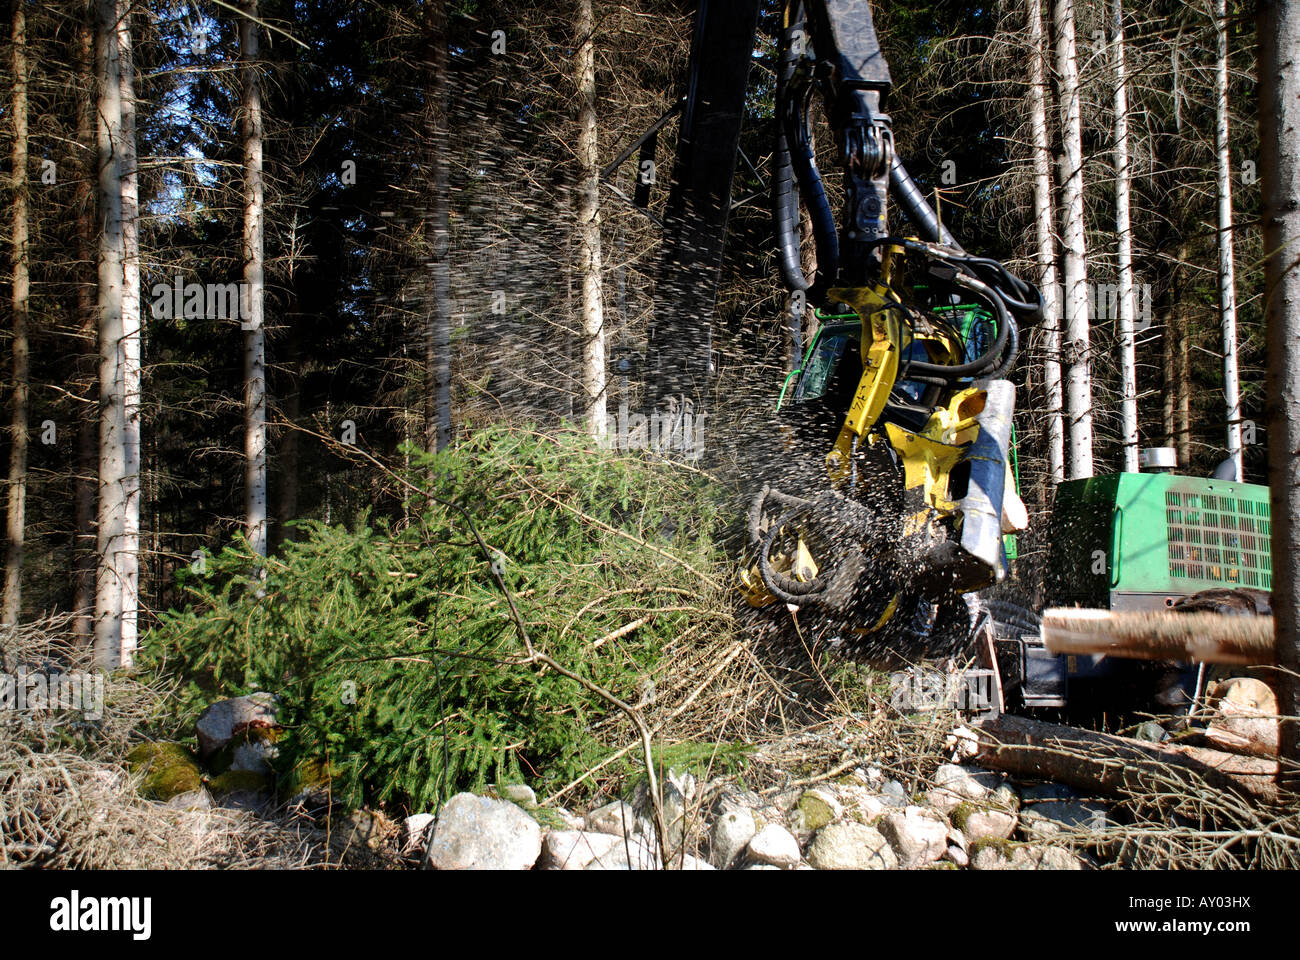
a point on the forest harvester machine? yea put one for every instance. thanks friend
(886, 499)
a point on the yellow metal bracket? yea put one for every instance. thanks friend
(879, 308)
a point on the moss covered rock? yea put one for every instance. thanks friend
(166, 770)
(992, 853)
(980, 820)
(239, 781)
(816, 810)
(851, 846)
(517, 793)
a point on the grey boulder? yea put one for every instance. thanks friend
(480, 833)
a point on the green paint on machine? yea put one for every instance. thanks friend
(1145, 539)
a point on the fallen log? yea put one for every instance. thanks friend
(1160, 635)
(1103, 763)
(1231, 742)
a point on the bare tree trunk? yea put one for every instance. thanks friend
(1227, 270)
(437, 341)
(112, 391)
(1184, 381)
(1168, 363)
(1124, 230)
(1078, 374)
(255, 521)
(1177, 330)
(1177, 391)
(1045, 242)
(84, 545)
(572, 348)
(1175, 397)
(129, 556)
(16, 518)
(287, 446)
(1279, 143)
(593, 310)
(119, 339)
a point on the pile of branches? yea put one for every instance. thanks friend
(1173, 805)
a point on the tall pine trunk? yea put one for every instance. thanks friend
(437, 338)
(1179, 330)
(1124, 256)
(1177, 370)
(116, 583)
(255, 519)
(1185, 394)
(132, 344)
(1279, 144)
(589, 257)
(287, 445)
(1045, 243)
(1227, 269)
(16, 516)
(1169, 339)
(1074, 263)
(86, 484)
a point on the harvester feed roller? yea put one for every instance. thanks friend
(1160, 635)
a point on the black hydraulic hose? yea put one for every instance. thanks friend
(1006, 346)
(916, 207)
(785, 216)
(785, 197)
(993, 359)
(1024, 298)
(826, 239)
(1013, 351)
(781, 586)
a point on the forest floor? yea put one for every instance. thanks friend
(822, 751)
(401, 678)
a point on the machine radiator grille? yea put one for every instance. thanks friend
(1220, 538)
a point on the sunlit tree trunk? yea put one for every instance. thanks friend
(437, 340)
(1077, 349)
(1178, 327)
(116, 583)
(84, 537)
(1184, 380)
(1279, 144)
(16, 517)
(1045, 243)
(112, 395)
(1124, 257)
(1227, 269)
(255, 520)
(132, 344)
(589, 257)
